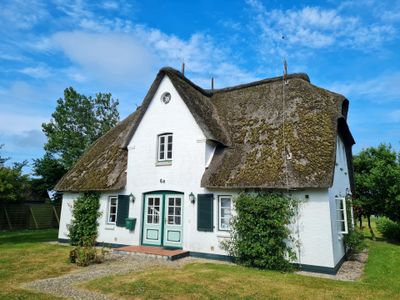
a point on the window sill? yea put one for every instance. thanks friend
(110, 227)
(164, 163)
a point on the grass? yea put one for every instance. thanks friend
(381, 280)
(24, 257)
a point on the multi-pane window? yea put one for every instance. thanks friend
(225, 212)
(174, 210)
(341, 215)
(112, 209)
(165, 147)
(153, 210)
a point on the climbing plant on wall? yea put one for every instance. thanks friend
(260, 233)
(85, 212)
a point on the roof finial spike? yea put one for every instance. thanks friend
(212, 83)
(285, 71)
(183, 69)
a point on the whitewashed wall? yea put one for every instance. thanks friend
(340, 187)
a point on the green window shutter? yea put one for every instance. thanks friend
(205, 208)
(122, 210)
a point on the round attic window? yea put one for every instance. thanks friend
(166, 97)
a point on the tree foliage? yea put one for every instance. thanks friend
(14, 186)
(83, 227)
(377, 182)
(76, 123)
(49, 171)
(260, 233)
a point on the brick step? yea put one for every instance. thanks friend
(156, 252)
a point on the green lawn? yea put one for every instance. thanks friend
(24, 256)
(381, 280)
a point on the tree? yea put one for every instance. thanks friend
(14, 186)
(377, 182)
(49, 171)
(76, 123)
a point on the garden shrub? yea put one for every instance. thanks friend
(260, 236)
(85, 212)
(389, 229)
(84, 256)
(354, 239)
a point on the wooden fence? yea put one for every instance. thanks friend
(15, 216)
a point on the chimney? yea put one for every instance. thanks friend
(212, 83)
(183, 69)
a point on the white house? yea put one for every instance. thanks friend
(177, 162)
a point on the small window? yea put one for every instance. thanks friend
(224, 212)
(165, 147)
(341, 215)
(112, 209)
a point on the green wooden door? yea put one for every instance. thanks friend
(163, 219)
(153, 219)
(173, 221)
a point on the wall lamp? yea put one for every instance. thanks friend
(132, 198)
(192, 198)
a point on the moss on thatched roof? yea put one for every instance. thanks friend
(103, 166)
(283, 135)
(269, 135)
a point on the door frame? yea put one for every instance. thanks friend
(163, 214)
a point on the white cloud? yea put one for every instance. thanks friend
(380, 89)
(38, 72)
(18, 123)
(111, 5)
(27, 139)
(134, 56)
(22, 14)
(315, 28)
(111, 57)
(394, 116)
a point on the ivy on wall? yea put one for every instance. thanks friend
(260, 233)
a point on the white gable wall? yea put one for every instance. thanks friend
(188, 161)
(340, 188)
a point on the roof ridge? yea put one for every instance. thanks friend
(302, 76)
(209, 93)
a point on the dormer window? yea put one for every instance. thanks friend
(165, 147)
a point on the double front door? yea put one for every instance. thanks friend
(163, 222)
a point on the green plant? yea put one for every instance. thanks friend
(354, 239)
(389, 229)
(260, 236)
(84, 256)
(85, 212)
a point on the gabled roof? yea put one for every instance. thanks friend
(268, 134)
(195, 98)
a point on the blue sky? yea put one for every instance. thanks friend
(351, 47)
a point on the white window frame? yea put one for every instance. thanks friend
(341, 212)
(163, 147)
(109, 209)
(220, 197)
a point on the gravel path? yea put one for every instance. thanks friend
(351, 270)
(65, 286)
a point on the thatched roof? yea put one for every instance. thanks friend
(103, 166)
(268, 134)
